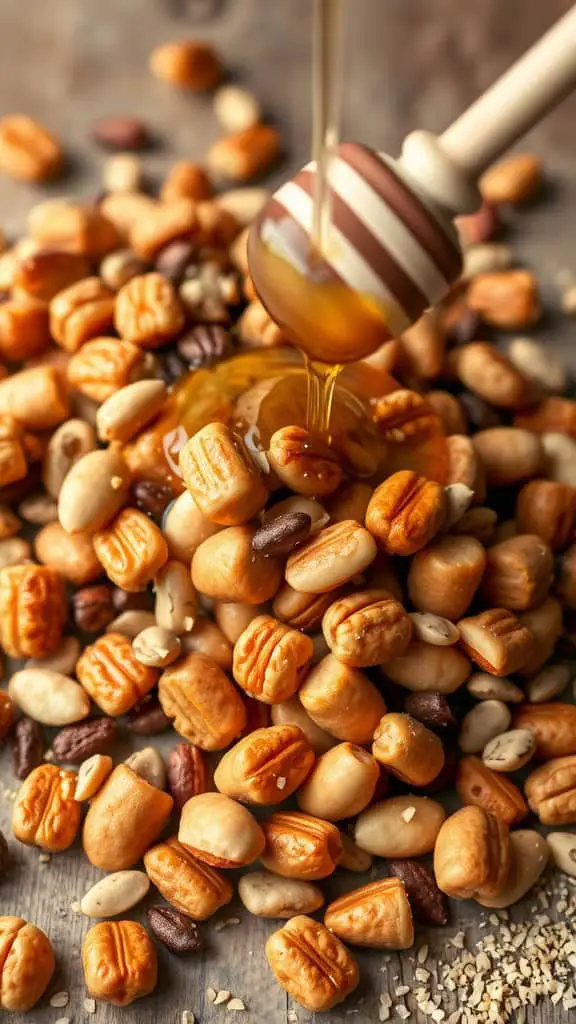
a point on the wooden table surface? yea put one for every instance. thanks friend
(410, 63)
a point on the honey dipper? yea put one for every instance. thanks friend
(392, 250)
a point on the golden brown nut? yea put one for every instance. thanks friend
(464, 466)
(496, 640)
(300, 846)
(545, 624)
(163, 224)
(112, 675)
(221, 476)
(425, 668)
(206, 707)
(32, 610)
(508, 454)
(119, 961)
(444, 577)
(188, 63)
(207, 638)
(547, 508)
(270, 659)
(36, 397)
(244, 154)
(28, 151)
(105, 365)
(73, 557)
(331, 557)
(366, 628)
(342, 700)
(304, 462)
(27, 964)
(420, 350)
(551, 791)
(472, 856)
(148, 311)
(6, 714)
(566, 582)
(551, 415)
(476, 784)
(507, 299)
(512, 180)
(340, 784)
(301, 611)
(186, 882)
(519, 572)
(65, 224)
(220, 831)
(376, 915)
(450, 411)
(186, 180)
(131, 549)
(265, 767)
(408, 749)
(291, 712)
(46, 813)
(24, 330)
(124, 819)
(553, 725)
(45, 273)
(82, 311)
(405, 512)
(490, 374)
(311, 964)
(226, 568)
(13, 461)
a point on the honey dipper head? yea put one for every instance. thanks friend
(388, 256)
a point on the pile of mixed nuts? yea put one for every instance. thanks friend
(358, 644)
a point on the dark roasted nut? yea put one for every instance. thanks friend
(4, 856)
(75, 743)
(432, 709)
(173, 259)
(152, 497)
(280, 535)
(187, 773)
(174, 930)
(92, 608)
(120, 132)
(429, 905)
(124, 601)
(204, 345)
(479, 413)
(148, 719)
(28, 747)
(6, 714)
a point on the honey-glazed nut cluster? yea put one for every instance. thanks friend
(356, 624)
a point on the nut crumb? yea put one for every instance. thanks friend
(281, 782)
(235, 1004)
(44, 858)
(63, 1020)
(60, 999)
(222, 997)
(211, 994)
(188, 1017)
(116, 482)
(408, 814)
(90, 1005)
(422, 954)
(75, 907)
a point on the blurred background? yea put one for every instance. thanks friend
(409, 63)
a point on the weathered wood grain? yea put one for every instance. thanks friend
(410, 63)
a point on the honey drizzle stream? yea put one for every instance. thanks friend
(326, 105)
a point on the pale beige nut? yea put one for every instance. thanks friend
(72, 556)
(509, 751)
(131, 549)
(349, 502)
(36, 397)
(519, 572)
(488, 373)
(548, 683)
(81, 312)
(299, 503)
(304, 462)
(486, 257)
(156, 646)
(244, 154)
(257, 329)
(149, 764)
(93, 492)
(206, 707)
(225, 567)
(122, 172)
(28, 964)
(184, 528)
(207, 638)
(124, 209)
(267, 895)
(265, 767)
(426, 667)
(67, 445)
(148, 312)
(341, 783)
(233, 617)
(551, 791)
(401, 826)
(408, 749)
(530, 855)
(483, 686)
(271, 660)
(32, 610)
(235, 108)
(119, 267)
(189, 64)
(124, 414)
(482, 724)
(479, 522)
(115, 894)
(472, 856)
(342, 700)
(92, 774)
(559, 458)
(405, 512)
(221, 476)
(244, 204)
(562, 846)
(539, 363)
(291, 712)
(366, 628)
(330, 558)
(48, 696)
(508, 454)
(45, 812)
(434, 629)
(311, 964)
(28, 151)
(112, 675)
(119, 961)
(512, 180)
(125, 817)
(186, 881)
(130, 623)
(300, 846)
(39, 509)
(220, 831)
(376, 915)
(497, 641)
(62, 659)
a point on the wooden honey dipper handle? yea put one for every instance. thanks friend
(525, 93)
